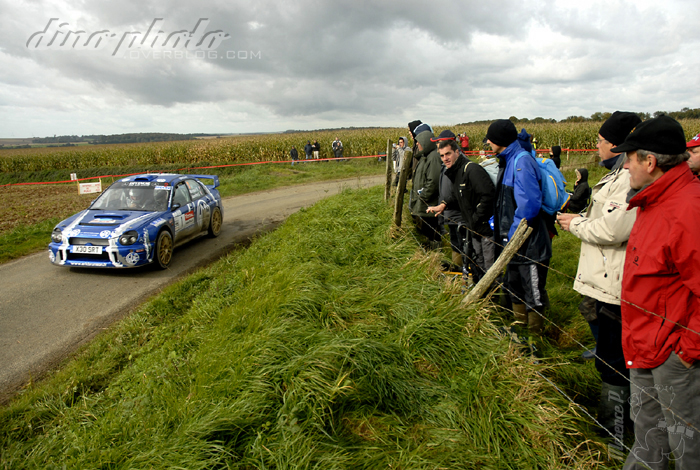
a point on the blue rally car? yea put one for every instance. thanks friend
(139, 220)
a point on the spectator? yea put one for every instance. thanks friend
(660, 297)
(415, 128)
(294, 154)
(449, 210)
(316, 147)
(308, 148)
(474, 192)
(464, 142)
(694, 153)
(555, 155)
(604, 231)
(425, 190)
(518, 196)
(337, 148)
(582, 192)
(524, 141)
(397, 157)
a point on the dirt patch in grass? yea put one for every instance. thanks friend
(25, 205)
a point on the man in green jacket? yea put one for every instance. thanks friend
(426, 188)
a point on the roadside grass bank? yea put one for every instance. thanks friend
(29, 213)
(326, 344)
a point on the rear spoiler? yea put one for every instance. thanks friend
(214, 178)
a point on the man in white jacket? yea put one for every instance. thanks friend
(604, 231)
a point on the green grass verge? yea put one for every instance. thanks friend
(26, 239)
(327, 344)
(31, 238)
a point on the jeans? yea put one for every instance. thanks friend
(661, 427)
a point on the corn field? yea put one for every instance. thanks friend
(275, 147)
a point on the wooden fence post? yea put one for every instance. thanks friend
(387, 186)
(403, 177)
(511, 249)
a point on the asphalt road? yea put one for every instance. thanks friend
(47, 311)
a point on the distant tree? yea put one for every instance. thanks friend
(575, 119)
(600, 116)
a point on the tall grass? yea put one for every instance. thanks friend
(326, 344)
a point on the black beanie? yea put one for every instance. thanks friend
(412, 126)
(618, 126)
(502, 132)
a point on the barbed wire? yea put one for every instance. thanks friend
(599, 289)
(562, 330)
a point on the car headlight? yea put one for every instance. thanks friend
(128, 238)
(57, 235)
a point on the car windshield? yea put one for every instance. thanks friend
(134, 196)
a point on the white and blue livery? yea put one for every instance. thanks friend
(139, 220)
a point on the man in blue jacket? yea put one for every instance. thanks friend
(519, 196)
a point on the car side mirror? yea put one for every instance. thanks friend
(176, 206)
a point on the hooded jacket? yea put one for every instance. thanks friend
(662, 272)
(604, 232)
(519, 196)
(582, 192)
(474, 192)
(426, 178)
(524, 141)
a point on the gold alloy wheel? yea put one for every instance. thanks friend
(164, 249)
(215, 224)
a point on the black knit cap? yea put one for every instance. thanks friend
(618, 126)
(412, 126)
(662, 135)
(502, 132)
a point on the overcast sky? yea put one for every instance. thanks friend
(272, 65)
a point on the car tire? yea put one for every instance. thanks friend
(215, 223)
(164, 249)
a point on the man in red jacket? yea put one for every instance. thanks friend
(661, 298)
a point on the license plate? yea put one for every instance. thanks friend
(93, 250)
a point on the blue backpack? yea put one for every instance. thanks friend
(553, 185)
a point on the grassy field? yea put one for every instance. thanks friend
(327, 344)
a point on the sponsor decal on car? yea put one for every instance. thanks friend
(183, 221)
(106, 234)
(166, 188)
(158, 222)
(132, 258)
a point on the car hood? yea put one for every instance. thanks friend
(107, 224)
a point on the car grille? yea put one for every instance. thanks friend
(89, 241)
(104, 256)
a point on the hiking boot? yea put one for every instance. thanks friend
(520, 312)
(535, 322)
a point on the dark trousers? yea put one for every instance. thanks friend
(525, 284)
(458, 234)
(430, 228)
(609, 346)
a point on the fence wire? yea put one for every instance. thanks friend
(561, 329)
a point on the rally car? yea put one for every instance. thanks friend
(139, 220)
